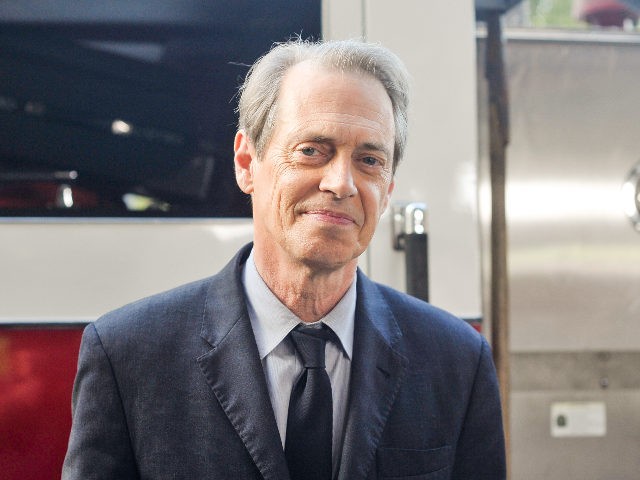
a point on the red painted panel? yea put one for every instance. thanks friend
(37, 368)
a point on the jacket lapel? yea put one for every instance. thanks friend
(234, 372)
(377, 371)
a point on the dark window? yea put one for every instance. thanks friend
(112, 112)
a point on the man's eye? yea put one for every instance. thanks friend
(371, 161)
(308, 151)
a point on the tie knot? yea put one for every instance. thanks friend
(310, 343)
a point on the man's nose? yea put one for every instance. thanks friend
(338, 178)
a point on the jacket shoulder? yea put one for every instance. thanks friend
(425, 324)
(180, 304)
(157, 313)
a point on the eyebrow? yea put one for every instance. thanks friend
(376, 147)
(322, 139)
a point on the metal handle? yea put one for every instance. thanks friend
(410, 234)
(631, 196)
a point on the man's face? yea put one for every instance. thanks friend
(325, 176)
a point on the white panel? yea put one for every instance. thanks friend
(578, 419)
(437, 42)
(74, 271)
(342, 19)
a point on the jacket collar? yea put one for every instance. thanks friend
(234, 372)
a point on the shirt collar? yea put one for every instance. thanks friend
(272, 321)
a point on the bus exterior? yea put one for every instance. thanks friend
(116, 171)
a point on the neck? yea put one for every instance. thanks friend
(309, 291)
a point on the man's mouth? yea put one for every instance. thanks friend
(330, 216)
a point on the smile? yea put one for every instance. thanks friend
(336, 218)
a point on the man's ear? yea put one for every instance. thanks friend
(244, 156)
(387, 197)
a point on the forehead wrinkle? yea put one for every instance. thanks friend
(317, 114)
(332, 124)
(378, 116)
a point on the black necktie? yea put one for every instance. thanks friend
(310, 420)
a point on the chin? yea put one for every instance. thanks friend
(329, 257)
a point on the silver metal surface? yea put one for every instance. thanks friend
(576, 371)
(631, 196)
(572, 36)
(536, 455)
(574, 257)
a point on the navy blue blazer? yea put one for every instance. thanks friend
(172, 387)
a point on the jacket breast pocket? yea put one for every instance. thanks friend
(401, 463)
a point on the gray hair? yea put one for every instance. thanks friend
(257, 106)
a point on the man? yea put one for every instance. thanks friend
(213, 380)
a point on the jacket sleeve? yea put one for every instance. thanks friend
(99, 444)
(480, 451)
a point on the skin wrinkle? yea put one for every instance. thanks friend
(320, 186)
(273, 111)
